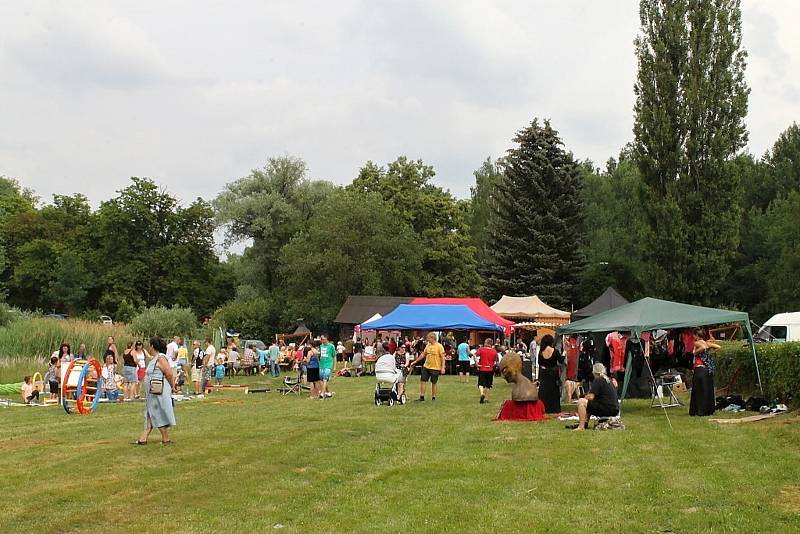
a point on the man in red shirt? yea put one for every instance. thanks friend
(487, 359)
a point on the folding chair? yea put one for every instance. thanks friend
(290, 386)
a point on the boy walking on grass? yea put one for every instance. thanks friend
(433, 354)
(487, 360)
(327, 359)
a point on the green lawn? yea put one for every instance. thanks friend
(245, 463)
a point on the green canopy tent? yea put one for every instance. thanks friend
(653, 314)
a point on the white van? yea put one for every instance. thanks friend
(781, 327)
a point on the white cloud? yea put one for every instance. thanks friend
(95, 92)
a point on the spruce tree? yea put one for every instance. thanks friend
(535, 226)
(691, 100)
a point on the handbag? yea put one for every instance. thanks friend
(157, 384)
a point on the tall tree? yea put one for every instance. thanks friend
(691, 100)
(269, 206)
(613, 251)
(487, 178)
(537, 220)
(68, 287)
(153, 250)
(437, 218)
(354, 245)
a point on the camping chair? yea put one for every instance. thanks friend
(290, 386)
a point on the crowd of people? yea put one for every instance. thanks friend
(160, 370)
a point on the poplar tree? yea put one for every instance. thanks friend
(691, 101)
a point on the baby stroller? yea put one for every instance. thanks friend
(386, 390)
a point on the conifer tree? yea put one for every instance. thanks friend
(536, 225)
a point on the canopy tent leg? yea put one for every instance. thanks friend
(749, 333)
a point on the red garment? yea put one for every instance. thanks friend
(698, 361)
(687, 338)
(487, 358)
(617, 346)
(571, 348)
(392, 347)
(521, 411)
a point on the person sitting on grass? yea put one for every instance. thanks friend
(28, 393)
(433, 354)
(601, 401)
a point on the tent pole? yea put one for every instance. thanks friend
(753, 349)
(653, 382)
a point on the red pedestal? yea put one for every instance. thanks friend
(521, 411)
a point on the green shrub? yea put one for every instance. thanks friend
(165, 322)
(7, 315)
(779, 364)
(254, 318)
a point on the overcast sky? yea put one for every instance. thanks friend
(196, 94)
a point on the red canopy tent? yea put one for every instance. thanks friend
(475, 304)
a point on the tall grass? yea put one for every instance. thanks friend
(41, 336)
(13, 369)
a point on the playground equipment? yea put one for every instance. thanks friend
(80, 386)
(11, 389)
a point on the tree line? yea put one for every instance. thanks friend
(681, 213)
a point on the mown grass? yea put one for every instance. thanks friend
(251, 463)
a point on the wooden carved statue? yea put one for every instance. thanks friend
(511, 369)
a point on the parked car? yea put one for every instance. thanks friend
(781, 327)
(59, 316)
(105, 319)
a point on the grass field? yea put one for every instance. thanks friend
(258, 462)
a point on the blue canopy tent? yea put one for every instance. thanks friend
(431, 317)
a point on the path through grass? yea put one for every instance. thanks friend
(248, 463)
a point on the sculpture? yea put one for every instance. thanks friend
(511, 369)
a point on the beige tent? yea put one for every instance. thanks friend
(529, 309)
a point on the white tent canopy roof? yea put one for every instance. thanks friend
(528, 307)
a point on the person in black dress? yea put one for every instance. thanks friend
(601, 401)
(702, 401)
(549, 375)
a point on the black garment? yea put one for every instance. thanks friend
(485, 379)
(128, 359)
(605, 402)
(549, 383)
(702, 402)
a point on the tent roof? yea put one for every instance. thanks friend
(431, 317)
(609, 300)
(526, 307)
(358, 309)
(475, 304)
(651, 314)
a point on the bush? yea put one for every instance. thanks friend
(254, 318)
(164, 322)
(779, 364)
(7, 315)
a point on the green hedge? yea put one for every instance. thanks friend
(165, 322)
(779, 364)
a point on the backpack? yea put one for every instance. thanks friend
(198, 361)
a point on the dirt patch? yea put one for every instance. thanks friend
(13, 445)
(788, 499)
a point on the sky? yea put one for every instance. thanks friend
(196, 94)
